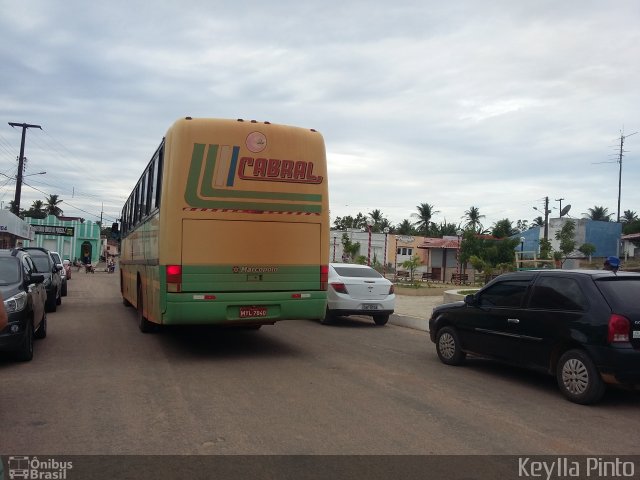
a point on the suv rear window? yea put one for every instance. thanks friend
(42, 260)
(357, 272)
(620, 292)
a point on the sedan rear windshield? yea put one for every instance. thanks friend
(9, 272)
(357, 272)
(620, 292)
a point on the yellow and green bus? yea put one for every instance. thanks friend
(228, 225)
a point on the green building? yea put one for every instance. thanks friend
(72, 237)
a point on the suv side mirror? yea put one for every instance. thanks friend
(470, 299)
(37, 278)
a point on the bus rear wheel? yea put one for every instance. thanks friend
(144, 325)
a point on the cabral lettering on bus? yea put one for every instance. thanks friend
(274, 170)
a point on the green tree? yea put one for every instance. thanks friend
(425, 213)
(522, 225)
(405, 228)
(537, 222)
(36, 210)
(545, 249)
(587, 249)
(629, 216)
(631, 227)
(350, 249)
(566, 237)
(473, 217)
(444, 229)
(51, 207)
(503, 228)
(379, 222)
(411, 265)
(598, 213)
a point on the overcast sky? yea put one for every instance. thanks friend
(493, 104)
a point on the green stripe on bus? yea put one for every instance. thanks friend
(197, 183)
(250, 278)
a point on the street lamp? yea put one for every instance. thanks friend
(522, 239)
(395, 260)
(335, 237)
(369, 225)
(384, 265)
(459, 234)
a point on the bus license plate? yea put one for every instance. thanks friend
(253, 312)
(369, 306)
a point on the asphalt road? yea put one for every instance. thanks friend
(99, 386)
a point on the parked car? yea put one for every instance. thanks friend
(358, 290)
(583, 326)
(63, 273)
(52, 281)
(24, 297)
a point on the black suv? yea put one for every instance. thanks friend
(24, 298)
(52, 280)
(583, 326)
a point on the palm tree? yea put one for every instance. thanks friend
(425, 212)
(36, 210)
(52, 207)
(600, 214)
(377, 218)
(537, 222)
(405, 228)
(472, 216)
(629, 216)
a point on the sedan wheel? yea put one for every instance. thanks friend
(578, 378)
(381, 319)
(448, 347)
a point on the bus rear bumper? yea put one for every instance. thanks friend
(242, 308)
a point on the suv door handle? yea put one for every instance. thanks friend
(513, 320)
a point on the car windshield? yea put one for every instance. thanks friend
(42, 262)
(357, 272)
(620, 292)
(9, 272)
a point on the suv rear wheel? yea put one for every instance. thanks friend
(578, 378)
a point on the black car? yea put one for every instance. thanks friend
(583, 326)
(52, 280)
(24, 298)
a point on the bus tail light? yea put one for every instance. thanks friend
(174, 278)
(324, 276)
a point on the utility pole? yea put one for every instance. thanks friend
(16, 202)
(622, 137)
(560, 200)
(546, 218)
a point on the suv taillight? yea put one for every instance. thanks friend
(619, 328)
(392, 289)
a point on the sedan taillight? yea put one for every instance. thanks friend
(339, 287)
(392, 289)
(619, 328)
